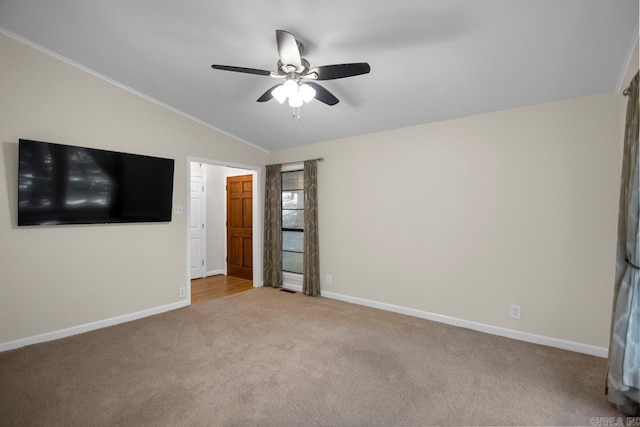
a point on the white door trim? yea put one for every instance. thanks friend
(256, 171)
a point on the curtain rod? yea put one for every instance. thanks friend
(320, 159)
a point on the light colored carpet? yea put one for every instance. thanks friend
(266, 357)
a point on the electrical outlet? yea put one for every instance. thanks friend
(329, 279)
(178, 210)
(515, 311)
(183, 292)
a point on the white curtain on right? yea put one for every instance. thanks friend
(623, 378)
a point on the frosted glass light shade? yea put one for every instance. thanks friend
(279, 94)
(295, 100)
(290, 87)
(307, 92)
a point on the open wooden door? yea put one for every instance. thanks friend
(239, 226)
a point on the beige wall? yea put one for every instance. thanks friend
(57, 277)
(459, 218)
(464, 217)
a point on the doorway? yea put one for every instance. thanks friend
(245, 260)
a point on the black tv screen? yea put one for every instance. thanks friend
(63, 184)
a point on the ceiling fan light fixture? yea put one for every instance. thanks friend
(298, 86)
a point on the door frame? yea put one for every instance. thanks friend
(256, 171)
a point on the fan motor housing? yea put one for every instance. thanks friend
(288, 69)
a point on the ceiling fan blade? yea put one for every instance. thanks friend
(340, 71)
(288, 48)
(267, 95)
(323, 95)
(242, 70)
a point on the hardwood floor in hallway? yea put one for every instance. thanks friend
(217, 286)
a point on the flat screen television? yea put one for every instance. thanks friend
(64, 184)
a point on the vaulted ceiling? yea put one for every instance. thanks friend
(430, 60)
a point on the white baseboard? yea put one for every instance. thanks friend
(75, 330)
(481, 327)
(214, 273)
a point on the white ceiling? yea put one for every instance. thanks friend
(430, 60)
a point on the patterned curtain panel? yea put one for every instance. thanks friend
(311, 280)
(623, 379)
(272, 271)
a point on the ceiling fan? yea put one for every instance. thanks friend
(299, 86)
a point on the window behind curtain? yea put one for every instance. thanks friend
(292, 221)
